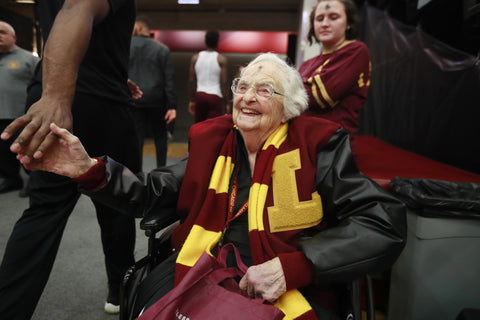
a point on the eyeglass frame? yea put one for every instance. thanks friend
(237, 80)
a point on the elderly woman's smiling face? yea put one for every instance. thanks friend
(253, 113)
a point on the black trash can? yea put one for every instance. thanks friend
(438, 273)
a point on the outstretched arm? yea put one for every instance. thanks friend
(64, 51)
(141, 194)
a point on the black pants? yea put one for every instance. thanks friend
(153, 119)
(9, 165)
(104, 127)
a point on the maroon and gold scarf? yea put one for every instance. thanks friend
(209, 222)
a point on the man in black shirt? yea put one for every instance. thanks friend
(84, 80)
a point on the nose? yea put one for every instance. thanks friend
(249, 94)
(325, 22)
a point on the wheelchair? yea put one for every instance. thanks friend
(159, 249)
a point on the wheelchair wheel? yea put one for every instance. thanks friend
(131, 281)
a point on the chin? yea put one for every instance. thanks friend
(246, 126)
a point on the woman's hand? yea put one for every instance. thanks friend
(66, 156)
(265, 281)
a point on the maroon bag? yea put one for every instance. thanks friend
(199, 295)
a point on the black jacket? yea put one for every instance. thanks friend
(151, 68)
(364, 230)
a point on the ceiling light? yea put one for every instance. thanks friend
(188, 1)
(25, 1)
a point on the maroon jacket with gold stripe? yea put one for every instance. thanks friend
(337, 83)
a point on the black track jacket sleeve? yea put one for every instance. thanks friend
(140, 195)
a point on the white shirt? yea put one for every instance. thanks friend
(207, 71)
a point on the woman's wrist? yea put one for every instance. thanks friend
(86, 167)
(94, 177)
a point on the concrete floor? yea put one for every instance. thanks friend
(77, 287)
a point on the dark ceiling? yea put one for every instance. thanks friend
(266, 15)
(462, 30)
(220, 5)
(273, 15)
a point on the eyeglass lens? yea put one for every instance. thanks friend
(264, 90)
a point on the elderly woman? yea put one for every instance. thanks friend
(283, 188)
(338, 78)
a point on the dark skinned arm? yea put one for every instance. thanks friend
(64, 51)
(192, 84)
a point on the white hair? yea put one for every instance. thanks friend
(295, 98)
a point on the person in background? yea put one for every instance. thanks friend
(282, 187)
(151, 68)
(17, 67)
(84, 80)
(208, 81)
(337, 80)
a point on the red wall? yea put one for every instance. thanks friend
(230, 41)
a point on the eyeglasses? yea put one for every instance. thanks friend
(262, 89)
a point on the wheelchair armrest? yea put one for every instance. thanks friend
(169, 179)
(154, 222)
(166, 233)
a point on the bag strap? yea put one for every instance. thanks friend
(187, 282)
(222, 274)
(224, 254)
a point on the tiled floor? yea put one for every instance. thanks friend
(174, 150)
